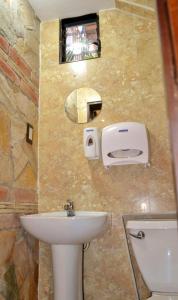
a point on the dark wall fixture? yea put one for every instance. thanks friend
(29, 134)
(79, 38)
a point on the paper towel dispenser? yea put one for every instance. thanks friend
(125, 143)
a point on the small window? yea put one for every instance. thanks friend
(79, 38)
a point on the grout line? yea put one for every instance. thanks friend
(39, 108)
(135, 15)
(138, 5)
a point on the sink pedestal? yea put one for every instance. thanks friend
(67, 270)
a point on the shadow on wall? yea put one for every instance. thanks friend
(18, 260)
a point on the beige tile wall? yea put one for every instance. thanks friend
(143, 8)
(128, 77)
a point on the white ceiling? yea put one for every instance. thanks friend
(59, 9)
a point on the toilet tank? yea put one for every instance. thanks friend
(156, 253)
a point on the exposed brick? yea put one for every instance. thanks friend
(20, 62)
(24, 196)
(4, 193)
(90, 27)
(9, 72)
(4, 45)
(4, 55)
(29, 91)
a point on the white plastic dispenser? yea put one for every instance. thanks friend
(125, 143)
(91, 143)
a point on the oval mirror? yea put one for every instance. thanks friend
(83, 105)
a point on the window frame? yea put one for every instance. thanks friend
(69, 22)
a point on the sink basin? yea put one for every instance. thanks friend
(57, 228)
(67, 236)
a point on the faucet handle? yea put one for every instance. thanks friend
(69, 201)
(69, 205)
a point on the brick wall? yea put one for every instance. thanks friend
(21, 79)
(19, 85)
(14, 67)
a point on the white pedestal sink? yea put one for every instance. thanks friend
(66, 236)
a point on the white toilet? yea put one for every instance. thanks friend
(155, 245)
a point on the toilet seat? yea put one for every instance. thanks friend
(163, 297)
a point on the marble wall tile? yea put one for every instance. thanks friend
(129, 78)
(142, 8)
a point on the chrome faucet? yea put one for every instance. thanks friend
(69, 207)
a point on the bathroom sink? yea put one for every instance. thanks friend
(56, 228)
(67, 236)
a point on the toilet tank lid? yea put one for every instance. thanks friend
(151, 224)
